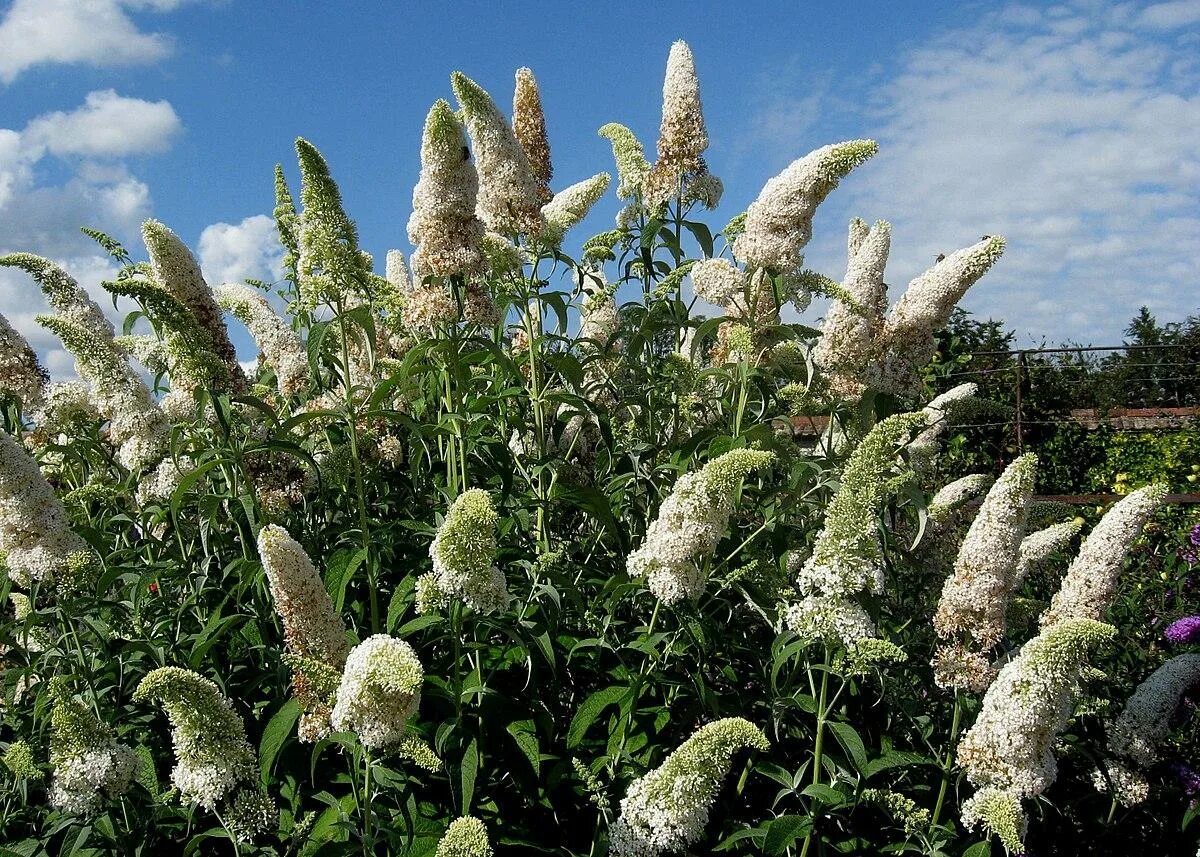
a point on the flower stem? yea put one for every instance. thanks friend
(947, 764)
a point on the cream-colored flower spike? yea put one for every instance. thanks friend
(137, 426)
(508, 201)
(35, 532)
(682, 137)
(848, 336)
(1037, 548)
(529, 127)
(907, 340)
(280, 345)
(1009, 751)
(21, 375)
(1146, 720)
(571, 205)
(630, 158)
(174, 268)
(1091, 581)
(312, 627)
(443, 226)
(779, 221)
(970, 616)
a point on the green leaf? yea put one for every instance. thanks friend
(591, 709)
(979, 849)
(340, 572)
(277, 731)
(895, 759)
(783, 831)
(826, 794)
(851, 743)
(468, 770)
(524, 733)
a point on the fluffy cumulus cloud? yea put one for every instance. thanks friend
(107, 125)
(230, 253)
(88, 32)
(64, 170)
(1069, 129)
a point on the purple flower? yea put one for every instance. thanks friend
(1185, 630)
(1194, 535)
(1188, 777)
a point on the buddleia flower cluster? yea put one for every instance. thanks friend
(509, 199)
(667, 809)
(215, 766)
(137, 428)
(68, 411)
(1146, 721)
(529, 127)
(970, 616)
(312, 629)
(779, 222)
(463, 553)
(281, 347)
(847, 558)
(443, 225)
(1039, 547)
(941, 410)
(630, 158)
(901, 808)
(331, 269)
(176, 271)
(682, 136)
(465, 837)
(599, 319)
(689, 525)
(862, 349)
(35, 533)
(852, 324)
(89, 765)
(1091, 581)
(20, 761)
(379, 692)
(571, 205)
(21, 375)
(1008, 753)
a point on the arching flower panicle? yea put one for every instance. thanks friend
(21, 375)
(443, 225)
(1091, 581)
(667, 809)
(630, 158)
(690, 523)
(529, 127)
(508, 202)
(779, 222)
(281, 346)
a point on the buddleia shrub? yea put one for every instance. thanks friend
(531, 542)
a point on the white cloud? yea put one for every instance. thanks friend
(107, 125)
(1070, 131)
(1171, 15)
(44, 217)
(88, 32)
(230, 253)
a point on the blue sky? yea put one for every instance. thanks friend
(1069, 128)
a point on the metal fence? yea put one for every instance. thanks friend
(1125, 388)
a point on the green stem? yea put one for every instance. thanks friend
(818, 750)
(368, 837)
(947, 764)
(364, 524)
